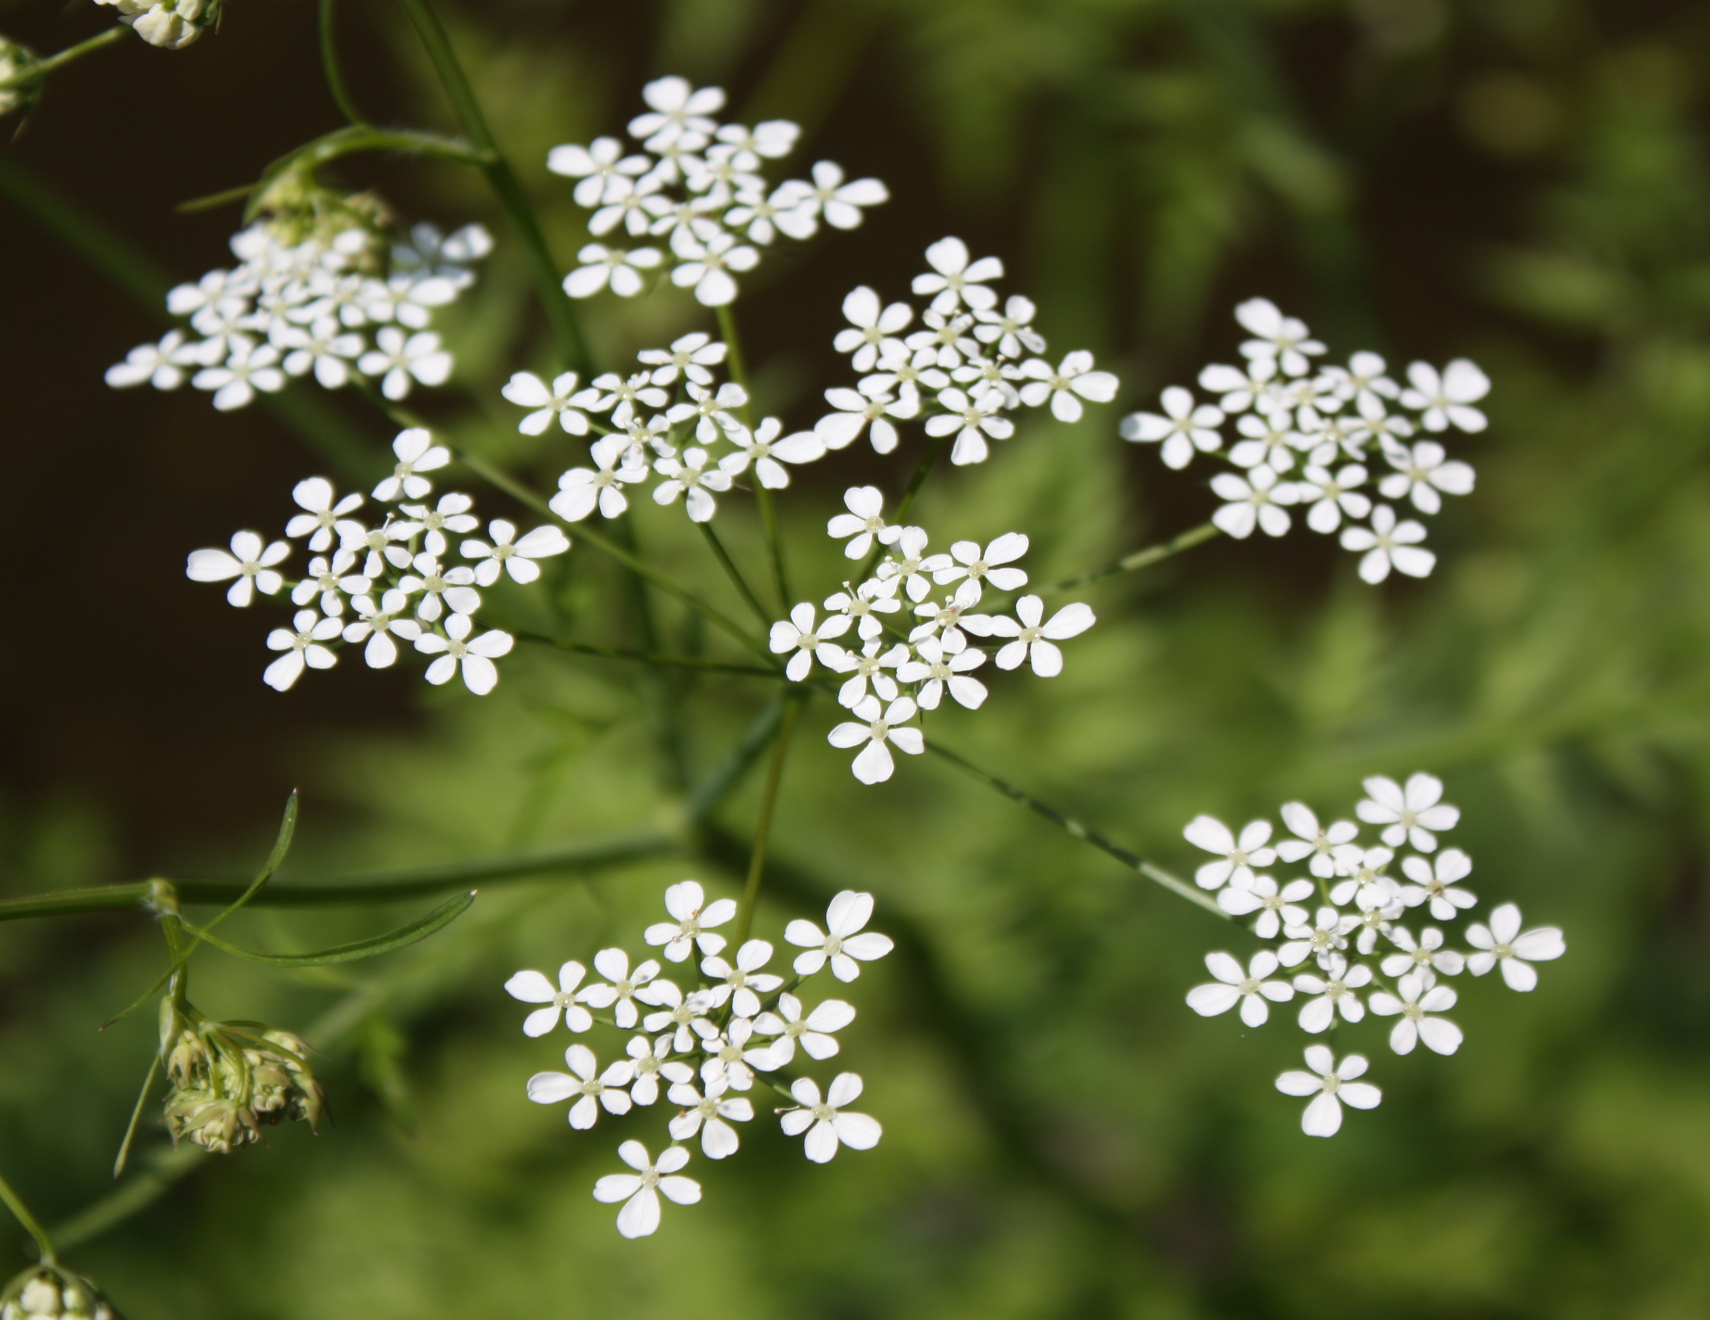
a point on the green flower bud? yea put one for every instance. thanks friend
(48, 1292)
(230, 1079)
(14, 59)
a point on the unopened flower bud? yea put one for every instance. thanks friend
(14, 59)
(47, 1292)
(230, 1079)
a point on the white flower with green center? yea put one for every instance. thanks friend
(844, 939)
(533, 988)
(416, 453)
(689, 356)
(1182, 428)
(692, 921)
(1034, 638)
(451, 514)
(1240, 388)
(711, 410)
(1312, 840)
(676, 108)
(1333, 993)
(1332, 495)
(547, 402)
(955, 280)
(1067, 385)
(838, 201)
(378, 624)
(1011, 329)
(595, 166)
(710, 258)
(943, 665)
(1414, 813)
(440, 587)
(869, 667)
(1389, 544)
(726, 1053)
(1282, 338)
(710, 1115)
(250, 561)
(967, 560)
(1330, 1085)
(1276, 907)
(1415, 999)
(875, 733)
(1251, 988)
(812, 1032)
(456, 649)
(872, 405)
(690, 477)
(1436, 884)
(619, 995)
(1323, 939)
(828, 1123)
(1502, 944)
(1424, 954)
(1236, 857)
(248, 367)
(582, 490)
(515, 557)
(330, 580)
(315, 496)
(585, 1085)
(401, 360)
(1421, 472)
(651, 1060)
(874, 328)
(744, 983)
(809, 641)
(862, 605)
(1270, 439)
(639, 1191)
(1446, 399)
(864, 522)
(683, 1017)
(1254, 501)
(301, 643)
(160, 365)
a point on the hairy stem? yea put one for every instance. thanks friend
(734, 574)
(1152, 554)
(1073, 827)
(335, 75)
(41, 68)
(566, 330)
(14, 1203)
(763, 829)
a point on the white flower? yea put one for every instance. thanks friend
(316, 496)
(591, 1087)
(513, 556)
(527, 390)
(1250, 988)
(651, 1060)
(451, 514)
(677, 109)
(848, 912)
(682, 1017)
(1501, 943)
(744, 983)
(476, 657)
(379, 624)
(416, 454)
(694, 919)
(869, 666)
(302, 646)
(1323, 939)
(1270, 440)
(320, 348)
(1421, 472)
(708, 266)
(1452, 865)
(838, 201)
(689, 355)
(1334, 991)
(1389, 544)
(813, 1032)
(614, 394)
(158, 364)
(944, 664)
(966, 560)
(1255, 500)
(706, 1115)
(619, 268)
(874, 328)
(533, 988)
(871, 403)
(773, 138)
(440, 587)
(1363, 376)
(970, 420)
(1034, 640)
(1365, 868)
(1409, 813)
(1427, 954)
(827, 1123)
(1332, 496)
(864, 521)
(1241, 388)
(689, 477)
(1447, 400)
(251, 562)
(619, 996)
(640, 1190)
(726, 1052)
(1275, 907)
(597, 165)
(874, 765)
(799, 633)
(1075, 377)
(580, 489)
(1012, 329)
(1331, 1085)
(247, 369)
(1236, 858)
(397, 359)
(956, 280)
(1312, 840)
(905, 565)
(1183, 428)
(1418, 996)
(768, 453)
(1284, 338)
(711, 408)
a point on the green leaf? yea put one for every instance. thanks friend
(416, 931)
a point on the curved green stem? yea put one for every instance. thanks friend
(335, 75)
(738, 369)
(1138, 559)
(763, 830)
(41, 68)
(647, 658)
(572, 348)
(14, 1203)
(927, 460)
(734, 574)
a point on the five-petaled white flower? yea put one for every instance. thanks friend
(1323, 939)
(1332, 496)
(416, 453)
(1425, 954)
(1284, 338)
(873, 765)
(1249, 988)
(651, 1060)
(247, 368)
(1447, 399)
(640, 1190)
(580, 490)
(690, 477)
(1312, 840)
(1236, 858)
(871, 404)
(1433, 883)
(956, 279)
(1408, 813)
(813, 1031)
(873, 328)
(527, 390)
(587, 1083)
(161, 365)
(970, 421)
(1389, 544)
(1333, 993)
(689, 355)
(514, 556)
(476, 656)
(744, 983)
(1416, 996)
(808, 640)
(828, 1122)
(301, 643)
(251, 561)
(1255, 500)
(398, 358)
(843, 940)
(619, 995)
(1330, 1085)
(1183, 427)
(1034, 637)
(768, 453)
(1276, 908)
(620, 269)
(694, 918)
(707, 1114)
(316, 496)
(378, 624)
(943, 663)
(839, 202)
(864, 521)
(1061, 386)
(533, 988)
(967, 560)
(597, 165)
(1422, 471)
(1502, 944)
(708, 268)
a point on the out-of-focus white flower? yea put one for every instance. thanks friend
(1255, 500)
(955, 279)
(1236, 857)
(1283, 338)
(1330, 1085)
(1276, 907)
(527, 390)
(828, 1122)
(620, 269)
(1409, 813)
(1249, 988)
(399, 359)
(1183, 428)
(597, 166)
(1427, 954)
(676, 108)
(1421, 472)
(248, 367)
(768, 453)
(1332, 496)
(251, 561)
(1502, 944)
(1312, 840)
(874, 328)
(1389, 544)
(1447, 399)
(160, 365)
(1416, 997)
(709, 263)
(1433, 884)
(843, 941)
(840, 202)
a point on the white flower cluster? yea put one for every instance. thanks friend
(706, 1046)
(925, 648)
(171, 24)
(697, 186)
(1342, 923)
(1328, 420)
(390, 575)
(291, 309)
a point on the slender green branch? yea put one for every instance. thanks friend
(14, 1203)
(738, 368)
(734, 574)
(39, 69)
(918, 480)
(725, 776)
(646, 658)
(335, 74)
(572, 348)
(1152, 554)
(763, 829)
(1074, 827)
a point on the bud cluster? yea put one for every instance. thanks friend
(46, 1292)
(169, 24)
(229, 1079)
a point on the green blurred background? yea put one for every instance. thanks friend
(1521, 181)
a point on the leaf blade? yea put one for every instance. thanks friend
(412, 932)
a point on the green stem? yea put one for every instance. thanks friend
(14, 1203)
(1138, 559)
(738, 368)
(763, 830)
(645, 657)
(335, 75)
(572, 348)
(1072, 826)
(41, 68)
(735, 574)
(915, 483)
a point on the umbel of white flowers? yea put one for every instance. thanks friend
(171, 24)
(1351, 927)
(706, 1045)
(52, 1292)
(1330, 423)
